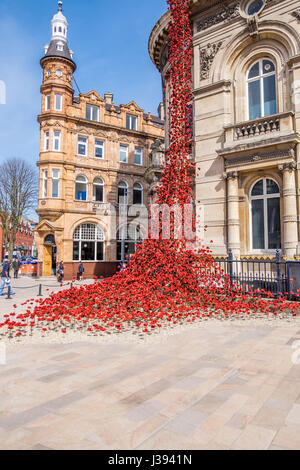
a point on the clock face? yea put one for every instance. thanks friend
(59, 73)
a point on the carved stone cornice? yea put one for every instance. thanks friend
(207, 55)
(225, 13)
(258, 157)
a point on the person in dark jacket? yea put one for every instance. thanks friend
(60, 272)
(80, 271)
(16, 266)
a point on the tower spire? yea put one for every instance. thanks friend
(60, 4)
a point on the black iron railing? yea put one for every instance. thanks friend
(276, 276)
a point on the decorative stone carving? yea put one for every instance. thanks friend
(260, 157)
(225, 13)
(253, 25)
(290, 166)
(231, 175)
(207, 55)
(296, 14)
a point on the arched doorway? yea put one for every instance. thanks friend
(50, 255)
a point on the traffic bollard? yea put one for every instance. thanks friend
(8, 293)
(40, 291)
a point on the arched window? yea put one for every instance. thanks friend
(137, 193)
(261, 88)
(123, 192)
(127, 240)
(265, 215)
(81, 188)
(98, 190)
(88, 243)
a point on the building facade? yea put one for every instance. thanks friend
(246, 103)
(94, 156)
(25, 244)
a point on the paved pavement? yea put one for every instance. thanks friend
(215, 386)
(28, 288)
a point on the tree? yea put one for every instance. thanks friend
(18, 196)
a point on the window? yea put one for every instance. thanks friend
(265, 215)
(138, 156)
(123, 192)
(261, 86)
(55, 183)
(131, 122)
(59, 73)
(127, 240)
(88, 243)
(47, 102)
(82, 146)
(60, 47)
(58, 102)
(99, 149)
(45, 183)
(98, 195)
(255, 7)
(56, 141)
(137, 194)
(81, 188)
(92, 113)
(123, 153)
(46, 141)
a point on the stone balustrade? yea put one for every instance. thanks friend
(282, 122)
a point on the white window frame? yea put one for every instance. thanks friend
(55, 178)
(46, 141)
(45, 184)
(127, 192)
(86, 187)
(141, 155)
(265, 198)
(98, 184)
(127, 151)
(85, 144)
(132, 118)
(261, 77)
(91, 107)
(99, 238)
(141, 190)
(58, 108)
(47, 102)
(56, 138)
(99, 146)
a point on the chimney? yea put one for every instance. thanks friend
(161, 111)
(109, 97)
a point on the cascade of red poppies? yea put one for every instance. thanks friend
(165, 282)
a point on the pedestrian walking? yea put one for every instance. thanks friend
(61, 272)
(80, 271)
(5, 278)
(16, 267)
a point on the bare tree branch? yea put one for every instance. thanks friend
(18, 195)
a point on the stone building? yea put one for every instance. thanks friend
(246, 104)
(92, 154)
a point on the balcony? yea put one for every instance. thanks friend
(275, 126)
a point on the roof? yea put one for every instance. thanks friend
(155, 119)
(54, 52)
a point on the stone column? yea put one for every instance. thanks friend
(233, 219)
(290, 232)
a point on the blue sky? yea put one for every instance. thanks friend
(110, 42)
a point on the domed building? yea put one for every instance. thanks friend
(95, 157)
(246, 104)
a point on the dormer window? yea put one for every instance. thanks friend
(60, 47)
(92, 113)
(131, 122)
